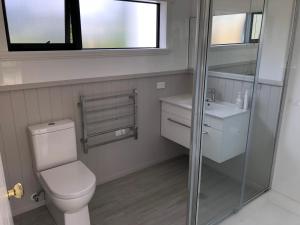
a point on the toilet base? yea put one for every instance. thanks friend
(81, 217)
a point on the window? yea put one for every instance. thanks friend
(256, 23)
(81, 24)
(40, 25)
(228, 29)
(118, 24)
(236, 28)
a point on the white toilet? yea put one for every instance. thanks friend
(69, 185)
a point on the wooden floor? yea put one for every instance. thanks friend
(153, 196)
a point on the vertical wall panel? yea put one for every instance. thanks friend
(32, 106)
(56, 103)
(10, 143)
(3, 155)
(67, 102)
(20, 124)
(44, 104)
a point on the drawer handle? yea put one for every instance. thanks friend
(179, 123)
(184, 125)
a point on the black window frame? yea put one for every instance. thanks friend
(72, 16)
(253, 40)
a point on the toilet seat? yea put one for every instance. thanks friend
(69, 181)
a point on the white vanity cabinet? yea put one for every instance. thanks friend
(176, 124)
(225, 132)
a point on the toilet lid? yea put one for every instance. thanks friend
(69, 181)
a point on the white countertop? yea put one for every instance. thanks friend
(184, 101)
(217, 109)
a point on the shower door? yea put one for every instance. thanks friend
(225, 79)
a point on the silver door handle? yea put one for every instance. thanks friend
(179, 123)
(204, 132)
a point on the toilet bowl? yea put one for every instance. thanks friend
(69, 188)
(69, 185)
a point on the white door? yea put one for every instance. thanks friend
(5, 212)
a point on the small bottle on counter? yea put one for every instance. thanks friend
(239, 101)
(246, 100)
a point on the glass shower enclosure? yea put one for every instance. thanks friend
(236, 103)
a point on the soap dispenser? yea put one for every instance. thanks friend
(246, 100)
(239, 101)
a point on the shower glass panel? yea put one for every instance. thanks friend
(230, 80)
(269, 92)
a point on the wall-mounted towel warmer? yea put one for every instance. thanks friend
(108, 118)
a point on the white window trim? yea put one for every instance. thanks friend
(234, 46)
(5, 55)
(44, 55)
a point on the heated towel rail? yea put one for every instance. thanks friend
(108, 118)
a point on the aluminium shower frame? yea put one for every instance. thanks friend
(203, 24)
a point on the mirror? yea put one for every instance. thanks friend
(236, 21)
(235, 33)
(237, 28)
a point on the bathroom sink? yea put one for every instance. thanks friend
(214, 106)
(216, 109)
(222, 109)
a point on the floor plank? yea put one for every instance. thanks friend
(153, 196)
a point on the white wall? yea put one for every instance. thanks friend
(35, 70)
(276, 37)
(236, 6)
(232, 6)
(287, 167)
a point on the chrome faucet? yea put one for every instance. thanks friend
(211, 95)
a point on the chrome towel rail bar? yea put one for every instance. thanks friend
(108, 118)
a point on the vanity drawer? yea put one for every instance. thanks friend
(176, 128)
(212, 144)
(177, 110)
(210, 121)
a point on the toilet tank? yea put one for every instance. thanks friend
(53, 144)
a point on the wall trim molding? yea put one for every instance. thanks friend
(239, 77)
(90, 80)
(85, 53)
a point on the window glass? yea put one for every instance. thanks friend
(256, 26)
(32, 21)
(228, 29)
(118, 24)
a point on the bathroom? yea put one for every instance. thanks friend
(174, 112)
